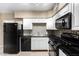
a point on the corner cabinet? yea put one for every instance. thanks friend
(75, 17)
(51, 23)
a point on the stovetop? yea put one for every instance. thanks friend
(70, 50)
(69, 44)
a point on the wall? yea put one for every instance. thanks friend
(33, 15)
(40, 14)
(1, 36)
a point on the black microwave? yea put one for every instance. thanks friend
(64, 22)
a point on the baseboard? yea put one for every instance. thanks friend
(39, 50)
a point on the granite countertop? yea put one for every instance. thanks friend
(37, 35)
(33, 36)
(69, 51)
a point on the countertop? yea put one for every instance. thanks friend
(39, 36)
(67, 49)
(70, 50)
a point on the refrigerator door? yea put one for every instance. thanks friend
(11, 40)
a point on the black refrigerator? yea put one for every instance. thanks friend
(11, 40)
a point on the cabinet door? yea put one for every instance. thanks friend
(63, 11)
(51, 23)
(39, 43)
(27, 24)
(76, 15)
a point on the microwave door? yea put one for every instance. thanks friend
(59, 23)
(64, 22)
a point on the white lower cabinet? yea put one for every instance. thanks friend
(39, 43)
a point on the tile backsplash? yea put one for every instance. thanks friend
(39, 29)
(59, 32)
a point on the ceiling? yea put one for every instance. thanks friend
(26, 6)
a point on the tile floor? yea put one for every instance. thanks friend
(29, 53)
(25, 53)
(34, 53)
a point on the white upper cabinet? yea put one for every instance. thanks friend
(27, 24)
(64, 10)
(76, 14)
(75, 17)
(51, 23)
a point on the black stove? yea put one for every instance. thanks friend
(70, 45)
(54, 43)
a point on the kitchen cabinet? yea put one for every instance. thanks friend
(75, 17)
(26, 43)
(58, 7)
(27, 24)
(39, 20)
(64, 10)
(51, 23)
(39, 43)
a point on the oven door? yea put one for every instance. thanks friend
(61, 53)
(52, 49)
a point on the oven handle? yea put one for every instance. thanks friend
(49, 42)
